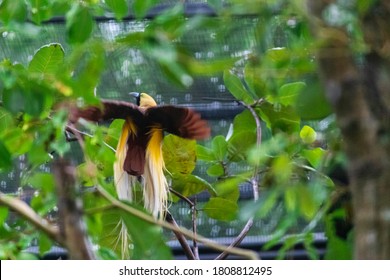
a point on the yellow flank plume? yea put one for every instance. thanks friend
(124, 182)
(155, 183)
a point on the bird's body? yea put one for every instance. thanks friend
(139, 150)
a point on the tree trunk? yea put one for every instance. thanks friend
(71, 224)
(360, 96)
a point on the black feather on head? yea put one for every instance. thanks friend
(137, 96)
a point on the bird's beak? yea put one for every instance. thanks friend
(135, 94)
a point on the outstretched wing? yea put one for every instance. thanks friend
(180, 121)
(109, 109)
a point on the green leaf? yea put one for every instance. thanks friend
(37, 154)
(13, 100)
(281, 230)
(113, 133)
(229, 188)
(308, 134)
(17, 141)
(314, 156)
(203, 153)
(213, 67)
(175, 72)
(89, 63)
(262, 207)
(280, 118)
(311, 103)
(79, 24)
(307, 204)
(42, 181)
(239, 145)
(309, 247)
(6, 121)
(119, 7)
(5, 157)
(282, 168)
(244, 121)
(141, 7)
(364, 5)
(13, 10)
(179, 154)
(145, 240)
(41, 10)
(288, 244)
(45, 243)
(216, 170)
(219, 147)
(290, 198)
(288, 93)
(4, 211)
(107, 254)
(48, 59)
(148, 240)
(26, 256)
(337, 248)
(278, 56)
(253, 78)
(236, 88)
(268, 149)
(221, 209)
(188, 185)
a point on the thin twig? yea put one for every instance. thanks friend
(189, 234)
(253, 181)
(219, 99)
(192, 255)
(78, 133)
(24, 210)
(194, 230)
(186, 199)
(180, 237)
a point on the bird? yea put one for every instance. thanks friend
(139, 149)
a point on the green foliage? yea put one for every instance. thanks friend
(79, 24)
(337, 247)
(47, 60)
(5, 159)
(307, 134)
(273, 81)
(149, 242)
(119, 7)
(13, 11)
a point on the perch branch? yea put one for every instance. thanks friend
(187, 233)
(194, 253)
(180, 237)
(25, 211)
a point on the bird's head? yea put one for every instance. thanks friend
(144, 100)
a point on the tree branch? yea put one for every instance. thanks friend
(248, 254)
(72, 227)
(25, 211)
(180, 237)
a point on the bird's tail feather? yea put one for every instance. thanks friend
(124, 184)
(155, 183)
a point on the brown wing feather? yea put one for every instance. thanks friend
(180, 121)
(109, 109)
